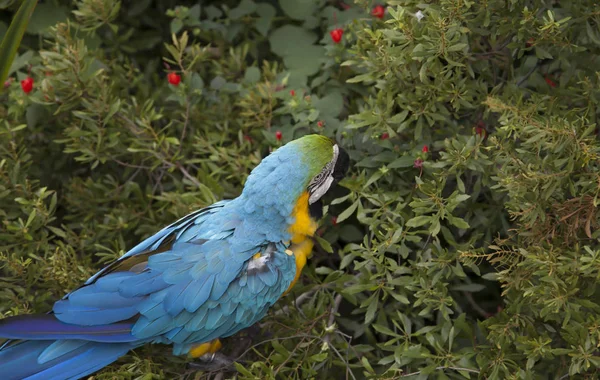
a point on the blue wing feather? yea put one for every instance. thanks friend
(47, 326)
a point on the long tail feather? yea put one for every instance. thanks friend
(22, 360)
(47, 327)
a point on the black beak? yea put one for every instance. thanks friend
(341, 165)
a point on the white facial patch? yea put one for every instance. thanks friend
(322, 182)
(320, 190)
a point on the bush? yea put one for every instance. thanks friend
(465, 241)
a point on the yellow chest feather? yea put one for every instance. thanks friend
(302, 231)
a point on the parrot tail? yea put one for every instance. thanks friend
(58, 359)
(47, 349)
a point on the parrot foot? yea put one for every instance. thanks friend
(205, 348)
(208, 359)
(212, 362)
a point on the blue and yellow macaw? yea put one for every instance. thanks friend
(206, 276)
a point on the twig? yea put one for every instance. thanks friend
(297, 302)
(131, 165)
(334, 309)
(348, 370)
(526, 76)
(331, 321)
(185, 124)
(441, 368)
(188, 175)
(475, 306)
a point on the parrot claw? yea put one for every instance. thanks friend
(212, 362)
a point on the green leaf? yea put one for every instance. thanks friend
(347, 212)
(194, 13)
(472, 288)
(20, 61)
(246, 7)
(331, 104)
(3, 29)
(371, 309)
(252, 74)
(402, 162)
(324, 244)
(35, 114)
(291, 40)
(458, 47)
(323, 270)
(306, 61)
(45, 16)
(176, 25)
(351, 233)
(418, 221)
(298, 9)
(196, 82)
(266, 13)
(218, 82)
(458, 222)
(138, 7)
(12, 38)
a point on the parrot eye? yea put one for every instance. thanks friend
(331, 173)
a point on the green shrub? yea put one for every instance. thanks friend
(477, 257)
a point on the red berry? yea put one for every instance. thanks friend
(174, 79)
(549, 81)
(247, 138)
(336, 35)
(480, 131)
(320, 123)
(425, 149)
(292, 92)
(529, 42)
(27, 85)
(385, 136)
(378, 11)
(418, 163)
(334, 220)
(278, 135)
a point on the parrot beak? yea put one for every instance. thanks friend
(341, 165)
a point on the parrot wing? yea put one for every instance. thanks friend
(152, 245)
(216, 295)
(191, 282)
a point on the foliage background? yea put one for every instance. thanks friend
(477, 259)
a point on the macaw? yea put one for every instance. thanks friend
(207, 276)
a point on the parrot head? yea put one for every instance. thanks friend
(327, 165)
(307, 167)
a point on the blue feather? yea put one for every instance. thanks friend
(20, 361)
(87, 359)
(147, 328)
(95, 316)
(142, 284)
(59, 348)
(47, 326)
(213, 318)
(198, 320)
(199, 294)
